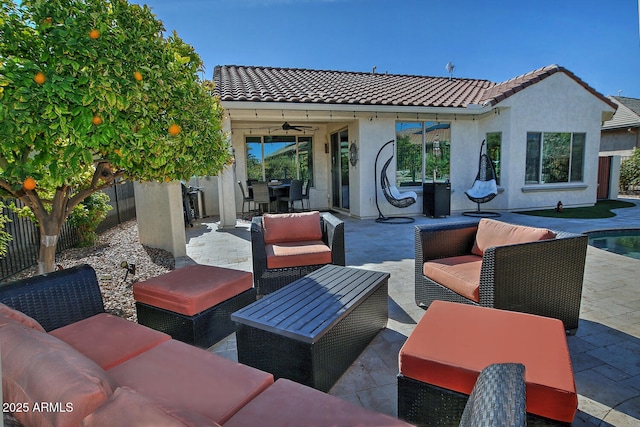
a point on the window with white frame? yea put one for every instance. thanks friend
(422, 148)
(554, 157)
(279, 157)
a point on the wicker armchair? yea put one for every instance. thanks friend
(267, 280)
(543, 277)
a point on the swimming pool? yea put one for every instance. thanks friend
(623, 242)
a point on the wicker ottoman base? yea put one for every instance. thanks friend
(203, 329)
(424, 404)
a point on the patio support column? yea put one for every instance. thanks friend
(160, 216)
(226, 189)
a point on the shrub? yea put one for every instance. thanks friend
(88, 215)
(630, 171)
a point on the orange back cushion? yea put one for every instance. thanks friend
(497, 233)
(293, 227)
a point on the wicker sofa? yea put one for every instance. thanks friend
(495, 264)
(65, 362)
(286, 247)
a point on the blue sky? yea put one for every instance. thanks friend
(496, 40)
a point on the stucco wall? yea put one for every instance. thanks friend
(556, 104)
(619, 141)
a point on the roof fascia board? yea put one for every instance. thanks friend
(351, 108)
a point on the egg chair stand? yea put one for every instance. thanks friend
(391, 193)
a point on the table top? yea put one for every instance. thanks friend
(307, 308)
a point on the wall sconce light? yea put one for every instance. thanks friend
(326, 148)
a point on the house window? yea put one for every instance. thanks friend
(554, 157)
(279, 157)
(421, 149)
(494, 146)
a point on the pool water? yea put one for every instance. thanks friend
(623, 242)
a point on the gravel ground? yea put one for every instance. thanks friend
(116, 245)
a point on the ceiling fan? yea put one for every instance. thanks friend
(287, 126)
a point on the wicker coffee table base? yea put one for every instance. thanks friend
(321, 364)
(203, 329)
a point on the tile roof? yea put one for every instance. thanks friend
(627, 114)
(298, 85)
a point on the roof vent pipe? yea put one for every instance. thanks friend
(373, 71)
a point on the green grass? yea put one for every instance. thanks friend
(602, 209)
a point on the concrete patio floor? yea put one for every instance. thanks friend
(605, 351)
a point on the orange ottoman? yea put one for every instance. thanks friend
(442, 358)
(193, 304)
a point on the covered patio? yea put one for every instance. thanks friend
(604, 352)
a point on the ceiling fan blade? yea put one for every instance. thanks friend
(287, 126)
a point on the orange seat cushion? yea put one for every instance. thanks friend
(461, 274)
(453, 342)
(125, 407)
(20, 317)
(180, 377)
(296, 254)
(192, 289)
(293, 227)
(109, 340)
(38, 368)
(287, 403)
(497, 233)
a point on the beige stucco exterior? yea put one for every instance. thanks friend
(555, 104)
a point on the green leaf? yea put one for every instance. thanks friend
(111, 98)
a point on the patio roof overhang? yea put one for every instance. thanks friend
(279, 111)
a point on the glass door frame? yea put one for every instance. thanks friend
(340, 169)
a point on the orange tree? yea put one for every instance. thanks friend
(92, 92)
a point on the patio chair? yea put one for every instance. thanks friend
(245, 199)
(261, 195)
(494, 264)
(291, 246)
(295, 195)
(391, 192)
(485, 186)
(305, 195)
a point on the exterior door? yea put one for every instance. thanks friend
(340, 169)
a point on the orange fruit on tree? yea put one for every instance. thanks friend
(94, 34)
(137, 75)
(39, 78)
(174, 129)
(29, 184)
(97, 120)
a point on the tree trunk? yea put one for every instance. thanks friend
(49, 231)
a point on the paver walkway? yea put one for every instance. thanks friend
(605, 351)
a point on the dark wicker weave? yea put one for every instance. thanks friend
(267, 280)
(543, 277)
(498, 398)
(56, 299)
(424, 404)
(312, 331)
(203, 329)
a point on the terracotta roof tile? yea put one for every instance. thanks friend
(299, 85)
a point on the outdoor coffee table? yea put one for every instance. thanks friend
(313, 329)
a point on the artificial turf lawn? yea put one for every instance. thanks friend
(602, 209)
